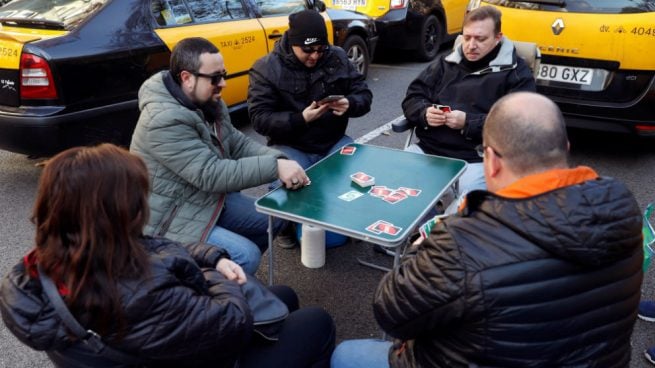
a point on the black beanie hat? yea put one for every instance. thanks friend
(307, 28)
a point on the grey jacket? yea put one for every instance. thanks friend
(192, 163)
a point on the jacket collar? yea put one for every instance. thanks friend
(504, 61)
(547, 181)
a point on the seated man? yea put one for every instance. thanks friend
(544, 270)
(287, 90)
(198, 162)
(287, 86)
(469, 80)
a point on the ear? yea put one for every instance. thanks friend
(494, 165)
(499, 36)
(185, 76)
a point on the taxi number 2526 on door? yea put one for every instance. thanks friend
(567, 74)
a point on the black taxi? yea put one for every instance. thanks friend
(70, 70)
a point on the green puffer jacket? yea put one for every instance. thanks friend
(189, 174)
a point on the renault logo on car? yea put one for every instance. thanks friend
(558, 26)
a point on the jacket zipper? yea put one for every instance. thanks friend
(167, 223)
(212, 220)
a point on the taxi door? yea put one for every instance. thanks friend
(455, 12)
(227, 25)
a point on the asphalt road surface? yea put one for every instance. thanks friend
(342, 286)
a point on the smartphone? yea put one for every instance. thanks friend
(444, 108)
(330, 98)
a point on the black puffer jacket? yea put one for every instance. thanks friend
(551, 280)
(448, 82)
(281, 88)
(175, 317)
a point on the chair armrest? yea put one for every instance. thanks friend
(400, 126)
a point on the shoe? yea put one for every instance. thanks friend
(287, 238)
(650, 354)
(647, 311)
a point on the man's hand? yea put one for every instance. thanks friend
(314, 111)
(231, 271)
(456, 119)
(435, 117)
(339, 107)
(291, 174)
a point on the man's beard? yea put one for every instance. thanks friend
(211, 108)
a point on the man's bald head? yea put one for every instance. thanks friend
(528, 130)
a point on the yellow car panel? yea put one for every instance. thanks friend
(11, 43)
(240, 42)
(625, 38)
(455, 12)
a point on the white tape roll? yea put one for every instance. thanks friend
(312, 246)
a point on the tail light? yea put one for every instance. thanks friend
(397, 4)
(36, 80)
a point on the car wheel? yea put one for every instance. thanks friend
(430, 39)
(357, 53)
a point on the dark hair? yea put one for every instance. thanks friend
(482, 13)
(90, 211)
(186, 55)
(528, 129)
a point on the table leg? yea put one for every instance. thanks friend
(270, 250)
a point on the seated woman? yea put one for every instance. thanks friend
(149, 298)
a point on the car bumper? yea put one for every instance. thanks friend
(633, 117)
(43, 131)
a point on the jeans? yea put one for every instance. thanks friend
(242, 231)
(306, 159)
(368, 353)
(471, 179)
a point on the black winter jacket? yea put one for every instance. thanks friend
(551, 280)
(281, 88)
(179, 315)
(448, 82)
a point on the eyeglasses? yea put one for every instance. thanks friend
(480, 148)
(310, 50)
(215, 78)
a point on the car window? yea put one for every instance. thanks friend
(63, 14)
(175, 12)
(584, 6)
(269, 8)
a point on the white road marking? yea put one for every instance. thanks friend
(376, 132)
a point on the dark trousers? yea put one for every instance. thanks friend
(306, 339)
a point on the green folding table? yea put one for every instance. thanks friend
(326, 202)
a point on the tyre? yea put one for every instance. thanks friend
(357, 52)
(431, 35)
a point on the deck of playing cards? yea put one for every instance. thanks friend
(362, 179)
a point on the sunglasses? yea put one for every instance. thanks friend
(215, 78)
(310, 50)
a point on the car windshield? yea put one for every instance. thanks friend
(49, 14)
(582, 6)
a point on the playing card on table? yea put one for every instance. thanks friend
(373, 228)
(379, 191)
(362, 179)
(350, 196)
(348, 150)
(395, 197)
(386, 227)
(410, 191)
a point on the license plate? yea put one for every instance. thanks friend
(349, 4)
(567, 74)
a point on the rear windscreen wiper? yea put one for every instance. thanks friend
(33, 23)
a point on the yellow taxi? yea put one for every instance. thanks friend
(70, 70)
(597, 59)
(420, 26)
